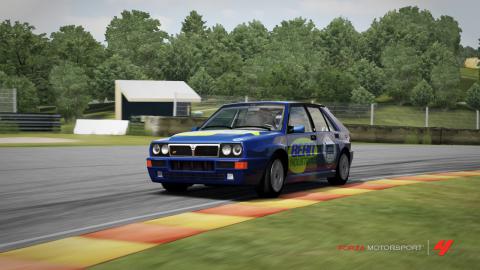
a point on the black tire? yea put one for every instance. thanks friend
(273, 179)
(175, 187)
(342, 172)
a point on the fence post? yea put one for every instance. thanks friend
(478, 120)
(246, 98)
(372, 110)
(426, 116)
(175, 104)
(14, 100)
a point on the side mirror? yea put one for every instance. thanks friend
(195, 128)
(296, 129)
(299, 129)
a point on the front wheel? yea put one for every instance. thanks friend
(342, 172)
(273, 179)
(175, 187)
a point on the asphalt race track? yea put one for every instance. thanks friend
(53, 192)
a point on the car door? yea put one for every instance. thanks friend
(330, 143)
(302, 146)
(325, 138)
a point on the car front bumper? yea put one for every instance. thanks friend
(212, 171)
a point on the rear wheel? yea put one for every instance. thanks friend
(342, 172)
(273, 179)
(175, 187)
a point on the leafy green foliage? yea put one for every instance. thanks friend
(137, 37)
(402, 66)
(27, 100)
(74, 44)
(23, 53)
(70, 85)
(295, 60)
(473, 96)
(114, 68)
(369, 76)
(202, 82)
(422, 94)
(193, 24)
(361, 96)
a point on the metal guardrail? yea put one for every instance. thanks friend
(29, 122)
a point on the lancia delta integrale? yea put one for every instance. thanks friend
(263, 144)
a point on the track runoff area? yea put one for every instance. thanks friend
(83, 251)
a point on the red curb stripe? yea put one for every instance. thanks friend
(144, 233)
(242, 210)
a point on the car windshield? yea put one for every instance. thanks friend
(267, 117)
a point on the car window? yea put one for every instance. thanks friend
(268, 117)
(318, 120)
(298, 116)
(332, 127)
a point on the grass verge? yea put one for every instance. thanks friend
(307, 238)
(79, 140)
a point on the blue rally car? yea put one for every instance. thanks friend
(264, 144)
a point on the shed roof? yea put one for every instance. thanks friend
(156, 91)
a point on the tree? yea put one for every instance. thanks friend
(422, 94)
(361, 96)
(202, 82)
(74, 44)
(250, 39)
(182, 58)
(369, 75)
(445, 79)
(27, 99)
(341, 41)
(403, 68)
(114, 68)
(229, 84)
(25, 54)
(137, 37)
(193, 24)
(70, 85)
(473, 96)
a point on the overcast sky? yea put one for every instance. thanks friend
(48, 15)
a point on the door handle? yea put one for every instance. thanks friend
(313, 137)
(337, 136)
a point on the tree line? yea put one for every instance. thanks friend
(407, 56)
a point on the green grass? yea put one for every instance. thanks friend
(80, 140)
(394, 115)
(307, 238)
(469, 73)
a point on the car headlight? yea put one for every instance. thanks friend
(237, 150)
(156, 149)
(226, 149)
(165, 149)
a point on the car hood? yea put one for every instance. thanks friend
(216, 136)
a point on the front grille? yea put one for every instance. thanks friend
(185, 165)
(193, 176)
(180, 150)
(206, 151)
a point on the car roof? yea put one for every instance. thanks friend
(270, 102)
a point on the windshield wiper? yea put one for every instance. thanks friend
(264, 127)
(218, 126)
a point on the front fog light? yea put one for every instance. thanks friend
(156, 149)
(237, 150)
(229, 176)
(226, 149)
(164, 149)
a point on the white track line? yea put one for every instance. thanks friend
(6, 246)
